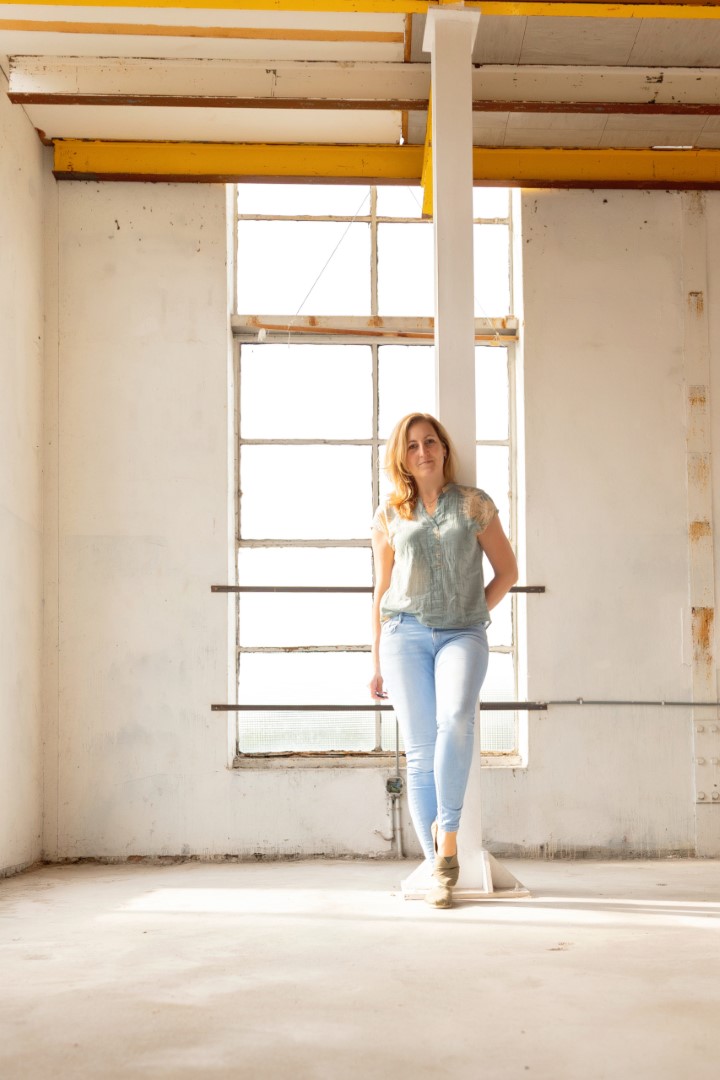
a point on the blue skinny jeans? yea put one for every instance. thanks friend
(433, 680)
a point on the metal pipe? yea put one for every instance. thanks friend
(485, 706)
(332, 589)
(663, 703)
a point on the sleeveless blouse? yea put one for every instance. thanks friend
(437, 574)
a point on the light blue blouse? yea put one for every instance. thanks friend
(437, 575)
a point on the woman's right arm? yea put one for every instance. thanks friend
(383, 557)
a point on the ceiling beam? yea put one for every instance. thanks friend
(639, 9)
(426, 175)
(227, 163)
(596, 108)
(356, 85)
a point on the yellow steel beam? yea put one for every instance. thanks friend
(232, 161)
(426, 178)
(637, 9)
(526, 167)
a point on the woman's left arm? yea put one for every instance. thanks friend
(496, 546)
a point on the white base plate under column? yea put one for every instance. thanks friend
(482, 877)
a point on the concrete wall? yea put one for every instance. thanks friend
(141, 481)
(607, 528)
(21, 352)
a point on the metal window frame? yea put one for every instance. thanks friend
(373, 332)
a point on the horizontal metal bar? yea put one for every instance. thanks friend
(267, 543)
(654, 704)
(380, 443)
(291, 588)
(485, 706)
(308, 442)
(332, 589)
(252, 649)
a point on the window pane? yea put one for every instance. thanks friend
(492, 270)
(493, 471)
(491, 392)
(385, 487)
(404, 202)
(500, 630)
(497, 729)
(292, 619)
(275, 732)
(306, 392)
(303, 200)
(304, 678)
(406, 283)
(281, 262)
(305, 492)
(491, 202)
(498, 732)
(499, 682)
(406, 378)
(391, 734)
(304, 566)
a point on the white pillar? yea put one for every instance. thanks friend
(449, 38)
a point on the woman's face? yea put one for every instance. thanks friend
(425, 458)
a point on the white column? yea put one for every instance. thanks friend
(449, 38)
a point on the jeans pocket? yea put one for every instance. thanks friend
(390, 625)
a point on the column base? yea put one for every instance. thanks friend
(482, 877)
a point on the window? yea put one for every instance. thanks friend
(334, 344)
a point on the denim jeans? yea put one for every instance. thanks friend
(433, 680)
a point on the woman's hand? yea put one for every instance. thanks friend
(376, 686)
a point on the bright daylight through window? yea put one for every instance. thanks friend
(334, 344)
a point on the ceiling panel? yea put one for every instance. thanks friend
(499, 40)
(213, 125)
(489, 128)
(672, 43)
(173, 32)
(218, 46)
(651, 124)
(579, 41)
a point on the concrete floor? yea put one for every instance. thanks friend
(321, 970)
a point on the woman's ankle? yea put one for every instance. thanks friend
(447, 843)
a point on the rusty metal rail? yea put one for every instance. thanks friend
(485, 706)
(332, 589)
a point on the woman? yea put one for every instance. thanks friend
(430, 615)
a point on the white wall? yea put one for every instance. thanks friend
(140, 477)
(142, 484)
(607, 528)
(21, 344)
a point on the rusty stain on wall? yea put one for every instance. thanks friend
(697, 398)
(698, 529)
(703, 621)
(696, 302)
(699, 469)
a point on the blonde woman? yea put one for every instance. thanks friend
(430, 619)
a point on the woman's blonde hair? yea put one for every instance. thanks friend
(405, 494)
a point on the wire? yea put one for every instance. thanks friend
(327, 263)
